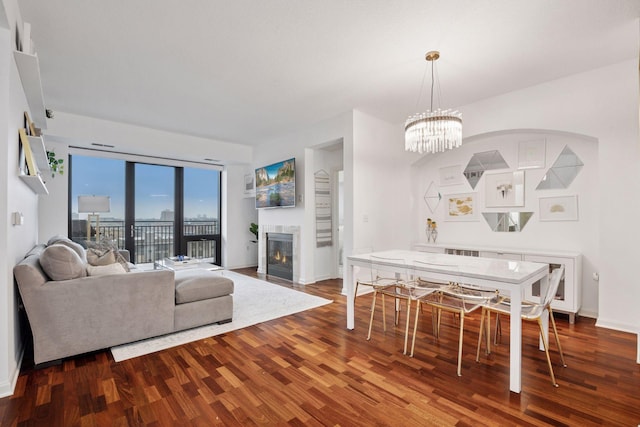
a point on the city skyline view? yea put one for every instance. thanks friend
(154, 189)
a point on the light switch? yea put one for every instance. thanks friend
(17, 218)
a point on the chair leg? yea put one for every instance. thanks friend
(555, 333)
(406, 329)
(546, 350)
(384, 314)
(355, 293)
(498, 329)
(415, 328)
(373, 310)
(460, 344)
(482, 332)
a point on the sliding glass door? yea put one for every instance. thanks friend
(156, 211)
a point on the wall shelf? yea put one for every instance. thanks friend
(29, 70)
(35, 183)
(40, 154)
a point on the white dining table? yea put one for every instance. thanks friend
(500, 274)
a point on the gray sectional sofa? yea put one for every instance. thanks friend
(91, 312)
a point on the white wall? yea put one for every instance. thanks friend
(238, 213)
(297, 144)
(602, 104)
(15, 241)
(578, 236)
(382, 194)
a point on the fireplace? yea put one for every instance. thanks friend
(280, 255)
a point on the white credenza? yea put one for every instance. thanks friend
(569, 296)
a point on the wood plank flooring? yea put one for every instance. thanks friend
(308, 369)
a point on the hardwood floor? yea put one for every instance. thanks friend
(308, 369)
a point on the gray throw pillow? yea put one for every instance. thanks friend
(100, 257)
(60, 262)
(77, 247)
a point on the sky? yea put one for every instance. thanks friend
(154, 187)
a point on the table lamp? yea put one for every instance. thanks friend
(91, 205)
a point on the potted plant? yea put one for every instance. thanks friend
(254, 229)
(56, 165)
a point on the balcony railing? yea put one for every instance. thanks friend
(153, 240)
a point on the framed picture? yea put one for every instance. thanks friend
(249, 184)
(560, 208)
(451, 175)
(504, 189)
(531, 154)
(461, 207)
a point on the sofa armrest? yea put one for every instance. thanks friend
(71, 317)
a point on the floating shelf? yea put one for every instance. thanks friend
(29, 69)
(40, 154)
(35, 183)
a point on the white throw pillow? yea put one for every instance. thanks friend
(103, 270)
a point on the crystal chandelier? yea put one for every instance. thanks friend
(434, 130)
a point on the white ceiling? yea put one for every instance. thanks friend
(247, 70)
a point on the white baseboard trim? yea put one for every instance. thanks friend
(587, 313)
(7, 388)
(623, 327)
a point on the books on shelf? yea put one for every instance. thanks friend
(32, 169)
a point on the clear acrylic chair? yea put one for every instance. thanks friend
(456, 298)
(386, 283)
(531, 311)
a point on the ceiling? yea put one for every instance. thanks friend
(247, 70)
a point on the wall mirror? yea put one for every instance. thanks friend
(481, 162)
(563, 172)
(507, 221)
(432, 197)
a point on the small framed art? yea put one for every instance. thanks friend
(461, 207)
(560, 208)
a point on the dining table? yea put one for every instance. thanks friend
(506, 276)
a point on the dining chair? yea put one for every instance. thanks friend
(453, 297)
(531, 311)
(409, 290)
(384, 284)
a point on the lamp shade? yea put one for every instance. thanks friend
(92, 204)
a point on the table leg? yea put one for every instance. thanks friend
(544, 284)
(350, 296)
(515, 339)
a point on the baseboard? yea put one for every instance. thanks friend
(623, 327)
(7, 388)
(234, 267)
(589, 314)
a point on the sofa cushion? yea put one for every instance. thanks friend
(196, 285)
(77, 247)
(60, 262)
(100, 257)
(104, 270)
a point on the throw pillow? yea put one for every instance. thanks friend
(104, 270)
(70, 244)
(100, 257)
(60, 262)
(105, 245)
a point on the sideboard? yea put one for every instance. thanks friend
(569, 296)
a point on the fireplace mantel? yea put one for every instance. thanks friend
(262, 246)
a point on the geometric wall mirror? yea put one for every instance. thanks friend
(507, 221)
(481, 162)
(563, 171)
(432, 197)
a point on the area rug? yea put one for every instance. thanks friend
(254, 301)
